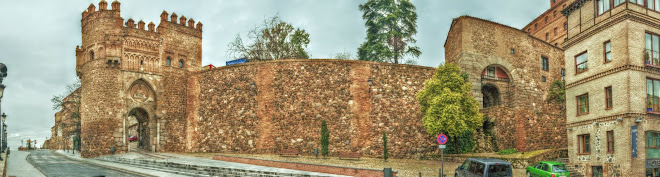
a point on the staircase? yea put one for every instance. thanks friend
(194, 170)
(571, 168)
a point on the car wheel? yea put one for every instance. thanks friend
(529, 175)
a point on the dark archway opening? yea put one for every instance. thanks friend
(491, 95)
(138, 129)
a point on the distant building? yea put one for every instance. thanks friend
(551, 26)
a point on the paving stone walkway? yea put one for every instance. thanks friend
(19, 166)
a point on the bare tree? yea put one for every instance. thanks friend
(273, 40)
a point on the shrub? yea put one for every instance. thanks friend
(385, 146)
(507, 151)
(325, 138)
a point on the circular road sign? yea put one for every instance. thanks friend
(442, 139)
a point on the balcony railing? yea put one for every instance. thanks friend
(494, 78)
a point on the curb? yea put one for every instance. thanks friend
(27, 158)
(104, 166)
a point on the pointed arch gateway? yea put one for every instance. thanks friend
(495, 82)
(140, 130)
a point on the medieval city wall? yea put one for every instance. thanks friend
(270, 106)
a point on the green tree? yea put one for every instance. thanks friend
(557, 92)
(274, 39)
(325, 138)
(391, 27)
(447, 105)
(385, 146)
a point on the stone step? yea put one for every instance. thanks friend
(193, 170)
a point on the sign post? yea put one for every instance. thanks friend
(442, 140)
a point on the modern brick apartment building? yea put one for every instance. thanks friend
(613, 87)
(550, 26)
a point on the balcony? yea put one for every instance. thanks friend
(494, 78)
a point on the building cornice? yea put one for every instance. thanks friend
(646, 69)
(573, 6)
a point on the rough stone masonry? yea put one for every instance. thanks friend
(154, 75)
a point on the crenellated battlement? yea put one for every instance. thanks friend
(181, 21)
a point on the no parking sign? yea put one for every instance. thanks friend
(442, 139)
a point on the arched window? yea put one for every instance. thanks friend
(169, 61)
(180, 63)
(91, 55)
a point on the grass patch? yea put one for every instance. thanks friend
(507, 151)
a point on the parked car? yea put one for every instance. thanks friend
(547, 169)
(132, 138)
(484, 167)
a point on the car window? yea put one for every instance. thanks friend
(479, 169)
(538, 165)
(472, 165)
(545, 167)
(499, 171)
(465, 165)
(559, 169)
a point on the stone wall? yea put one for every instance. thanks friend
(270, 106)
(524, 120)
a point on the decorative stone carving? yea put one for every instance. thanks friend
(140, 92)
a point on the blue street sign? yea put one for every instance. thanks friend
(237, 61)
(634, 141)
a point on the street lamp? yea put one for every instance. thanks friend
(4, 129)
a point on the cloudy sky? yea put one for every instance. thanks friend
(38, 38)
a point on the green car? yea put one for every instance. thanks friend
(547, 169)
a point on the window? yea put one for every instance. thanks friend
(546, 19)
(583, 144)
(603, 6)
(544, 63)
(653, 4)
(169, 61)
(490, 71)
(563, 73)
(581, 63)
(618, 2)
(536, 26)
(544, 167)
(180, 63)
(555, 31)
(640, 2)
(652, 95)
(610, 141)
(565, 25)
(513, 51)
(652, 144)
(543, 79)
(597, 171)
(652, 49)
(554, 14)
(608, 98)
(608, 51)
(546, 36)
(91, 55)
(583, 104)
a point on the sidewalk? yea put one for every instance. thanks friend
(115, 166)
(19, 166)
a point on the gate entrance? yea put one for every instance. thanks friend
(137, 128)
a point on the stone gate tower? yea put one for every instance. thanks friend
(133, 80)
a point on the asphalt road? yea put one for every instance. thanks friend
(51, 164)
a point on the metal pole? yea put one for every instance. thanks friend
(442, 156)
